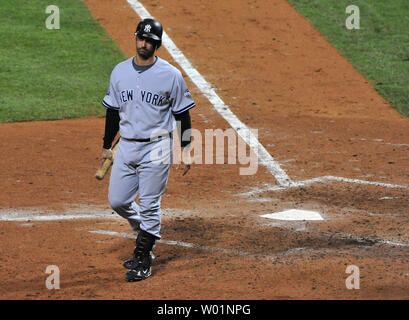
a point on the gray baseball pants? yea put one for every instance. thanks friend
(140, 168)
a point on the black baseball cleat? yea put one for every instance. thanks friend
(138, 274)
(132, 263)
(141, 262)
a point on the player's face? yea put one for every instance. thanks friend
(145, 47)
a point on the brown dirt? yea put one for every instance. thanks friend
(315, 114)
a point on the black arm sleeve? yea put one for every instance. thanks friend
(184, 125)
(111, 127)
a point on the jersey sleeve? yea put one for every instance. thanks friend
(182, 99)
(110, 100)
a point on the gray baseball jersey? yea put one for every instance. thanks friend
(146, 100)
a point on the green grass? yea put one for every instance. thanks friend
(378, 50)
(52, 74)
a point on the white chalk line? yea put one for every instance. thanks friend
(367, 239)
(381, 141)
(297, 184)
(177, 243)
(394, 243)
(15, 216)
(76, 213)
(236, 252)
(206, 89)
(242, 130)
(53, 217)
(239, 252)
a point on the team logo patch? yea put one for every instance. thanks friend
(147, 28)
(108, 92)
(187, 94)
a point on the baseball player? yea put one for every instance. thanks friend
(146, 95)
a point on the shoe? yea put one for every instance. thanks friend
(131, 263)
(141, 264)
(139, 273)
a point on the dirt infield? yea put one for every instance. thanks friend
(344, 147)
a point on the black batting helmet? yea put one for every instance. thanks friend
(151, 29)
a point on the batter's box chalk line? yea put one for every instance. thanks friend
(297, 184)
(242, 130)
(28, 215)
(239, 252)
(236, 252)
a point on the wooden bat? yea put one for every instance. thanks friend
(103, 169)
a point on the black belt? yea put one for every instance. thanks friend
(150, 139)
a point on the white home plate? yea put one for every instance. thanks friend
(294, 214)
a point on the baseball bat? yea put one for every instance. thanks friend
(103, 169)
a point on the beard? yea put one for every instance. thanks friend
(145, 53)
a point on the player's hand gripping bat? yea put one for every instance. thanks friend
(103, 169)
